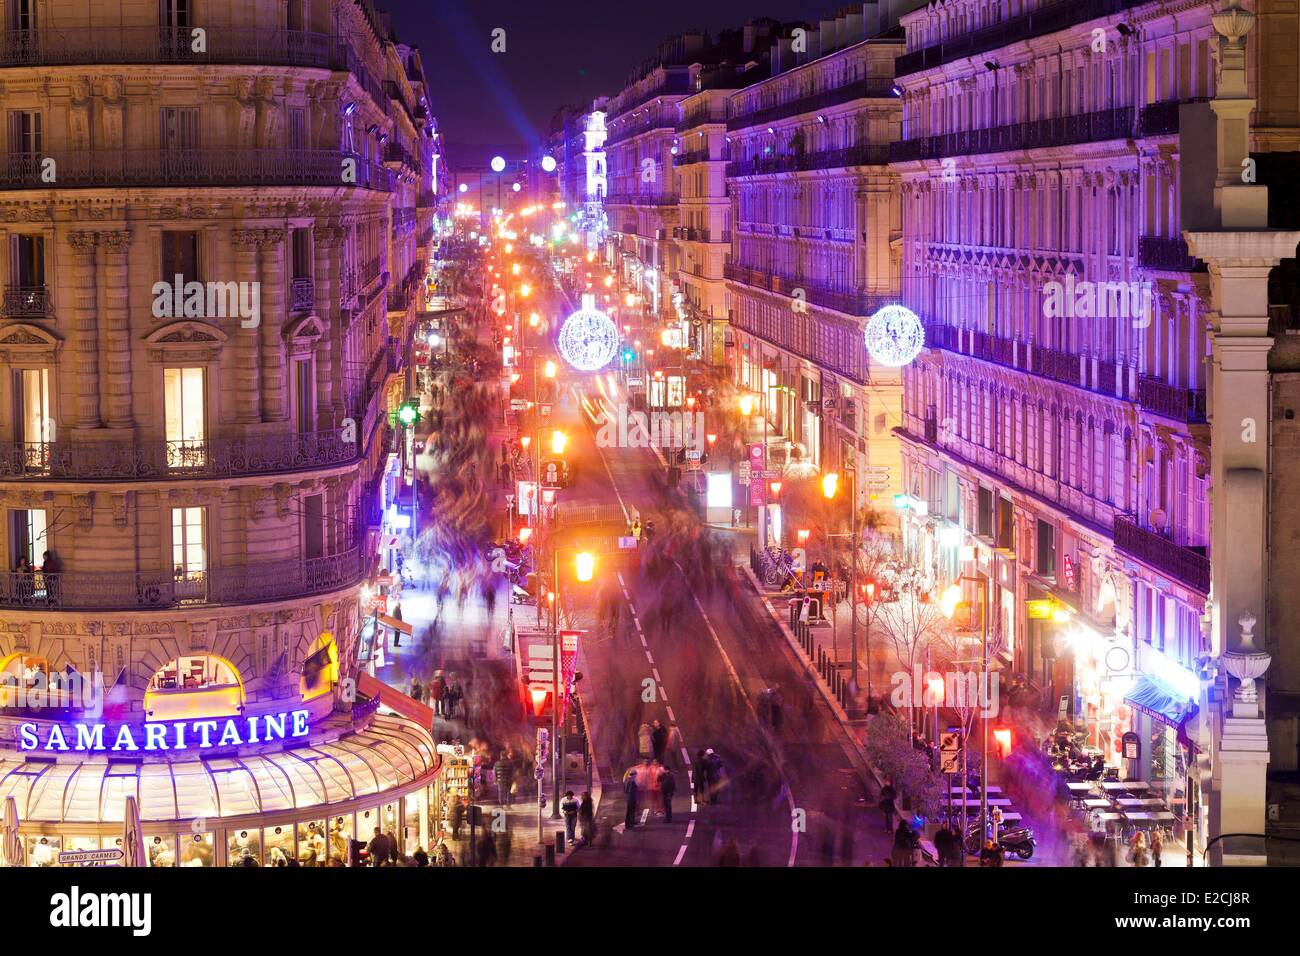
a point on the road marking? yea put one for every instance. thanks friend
(654, 670)
(645, 817)
(670, 715)
(686, 756)
(681, 853)
(690, 827)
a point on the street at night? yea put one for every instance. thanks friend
(797, 440)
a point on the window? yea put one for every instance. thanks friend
(27, 536)
(195, 686)
(33, 423)
(27, 262)
(184, 400)
(24, 133)
(297, 128)
(313, 526)
(304, 391)
(179, 139)
(1045, 559)
(984, 528)
(180, 256)
(189, 557)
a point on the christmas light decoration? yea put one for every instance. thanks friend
(588, 338)
(894, 336)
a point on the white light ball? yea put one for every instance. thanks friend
(894, 336)
(588, 339)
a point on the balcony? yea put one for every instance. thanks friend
(27, 302)
(641, 199)
(1161, 119)
(829, 159)
(213, 458)
(1188, 565)
(125, 45)
(302, 294)
(690, 234)
(869, 88)
(209, 166)
(1171, 401)
(1040, 22)
(850, 303)
(672, 83)
(1094, 127)
(156, 590)
(1168, 254)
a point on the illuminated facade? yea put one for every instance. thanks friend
(1064, 434)
(218, 238)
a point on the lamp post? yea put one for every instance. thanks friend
(584, 567)
(949, 606)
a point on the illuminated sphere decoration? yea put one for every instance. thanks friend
(588, 338)
(498, 164)
(895, 336)
(548, 164)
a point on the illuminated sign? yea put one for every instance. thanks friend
(1069, 573)
(172, 735)
(1040, 610)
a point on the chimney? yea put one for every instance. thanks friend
(871, 14)
(782, 58)
(749, 37)
(851, 27)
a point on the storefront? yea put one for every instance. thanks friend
(305, 797)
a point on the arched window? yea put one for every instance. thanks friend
(194, 686)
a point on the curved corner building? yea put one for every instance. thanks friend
(214, 246)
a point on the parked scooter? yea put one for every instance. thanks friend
(1017, 840)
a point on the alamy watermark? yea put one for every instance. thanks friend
(1098, 300)
(208, 300)
(959, 690)
(38, 690)
(631, 429)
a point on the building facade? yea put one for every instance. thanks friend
(815, 219)
(218, 234)
(1060, 436)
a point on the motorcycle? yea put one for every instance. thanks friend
(1017, 840)
(519, 596)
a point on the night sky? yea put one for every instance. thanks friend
(558, 52)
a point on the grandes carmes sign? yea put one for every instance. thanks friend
(171, 735)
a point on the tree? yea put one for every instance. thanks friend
(909, 622)
(889, 749)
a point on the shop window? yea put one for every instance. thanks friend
(161, 850)
(194, 687)
(279, 845)
(243, 846)
(340, 839)
(197, 850)
(311, 843)
(44, 850)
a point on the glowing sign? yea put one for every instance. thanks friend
(172, 735)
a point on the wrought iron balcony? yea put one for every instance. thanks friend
(1188, 565)
(1168, 253)
(1171, 401)
(1101, 125)
(870, 87)
(641, 199)
(213, 458)
(302, 294)
(1161, 119)
(27, 302)
(209, 166)
(869, 155)
(154, 590)
(123, 45)
(1041, 21)
(848, 302)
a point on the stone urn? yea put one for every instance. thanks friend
(1247, 664)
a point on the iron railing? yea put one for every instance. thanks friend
(859, 89)
(1168, 253)
(641, 199)
(1172, 401)
(212, 458)
(870, 155)
(121, 45)
(850, 303)
(207, 166)
(302, 294)
(1116, 123)
(152, 590)
(27, 302)
(1187, 565)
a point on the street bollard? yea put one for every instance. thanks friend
(537, 859)
(559, 842)
(550, 854)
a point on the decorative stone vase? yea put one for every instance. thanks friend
(1247, 664)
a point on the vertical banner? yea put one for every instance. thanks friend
(568, 665)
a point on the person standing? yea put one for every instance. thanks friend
(437, 691)
(504, 771)
(667, 787)
(644, 744)
(586, 819)
(1157, 847)
(630, 795)
(943, 844)
(487, 848)
(887, 797)
(569, 807)
(700, 778)
(659, 741)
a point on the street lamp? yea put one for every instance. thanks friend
(558, 441)
(550, 369)
(584, 571)
(949, 606)
(746, 405)
(830, 484)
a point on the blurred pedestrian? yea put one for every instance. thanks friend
(887, 797)
(569, 807)
(630, 796)
(667, 787)
(586, 819)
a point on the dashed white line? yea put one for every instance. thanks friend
(681, 852)
(654, 670)
(671, 716)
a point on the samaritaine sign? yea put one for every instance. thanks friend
(164, 736)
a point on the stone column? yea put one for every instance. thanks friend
(115, 332)
(247, 396)
(86, 325)
(275, 408)
(326, 241)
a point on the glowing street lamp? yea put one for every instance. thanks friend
(830, 482)
(711, 439)
(514, 269)
(524, 290)
(690, 401)
(609, 281)
(803, 534)
(550, 369)
(776, 487)
(533, 320)
(525, 441)
(558, 441)
(585, 566)
(746, 404)
(949, 601)
(525, 534)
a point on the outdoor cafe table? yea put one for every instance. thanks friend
(958, 788)
(998, 802)
(1139, 802)
(1096, 803)
(1131, 785)
(1163, 816)
(1081, 787)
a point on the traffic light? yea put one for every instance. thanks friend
(629, 356)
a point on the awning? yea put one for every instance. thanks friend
(395, 700)
(1160, 702)
(395, 624)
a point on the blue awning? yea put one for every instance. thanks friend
(1160, 701)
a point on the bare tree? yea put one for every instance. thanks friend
(910, 622)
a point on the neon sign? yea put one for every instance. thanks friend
(171, 735)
